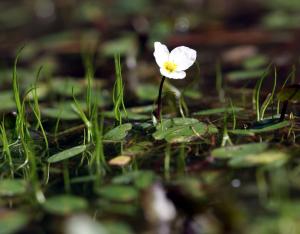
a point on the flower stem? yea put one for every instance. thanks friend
(159, 99)
(283, 110)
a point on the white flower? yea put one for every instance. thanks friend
(173, 64)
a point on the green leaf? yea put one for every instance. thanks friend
(147, 92)
(270, 158)
(12, 221)
(244, 75)
(7, 101)
(63, 114)
(141, 179)
(119, 193)
(182, 130)
(138, 148)
(256, 61)
(12, 187)
(112, 207)
(118, 133)
(65, 204)
(66, 86)
(130, 115)
(261, 130)
(117, 228)
(119, 46)
(218, 111)
(66, 154)
(239, 150)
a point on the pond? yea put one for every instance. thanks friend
(149, 117)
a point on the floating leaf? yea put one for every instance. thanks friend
(256, 61)
(130, 115)
(147, 92)
(193, 94)
(138, 148)
(182, 130)
(244, 75)
(83, 179)
(118, 133)
(12, 221)
(119, 46)
(112, 207)
(63, 114)
(121, 161)
(261, 130)
(281, 20)
(218, 111)
(271, 158)
(239, 150)
(65, 204)
(66, 86)
(117, 227)
(141, 179)
(7, 101)
(12, 187)
(119, 193)
(66, 154)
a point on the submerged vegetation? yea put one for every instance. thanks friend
(96, 153)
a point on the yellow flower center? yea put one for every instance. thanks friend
(170, 66)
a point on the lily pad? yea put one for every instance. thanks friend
(239, 150)
(270, 158)
(112, 207)
(141, 179)
(218, 111)
(66, 154)
(118, 133)
(7, 101)
(65, 204)
(63, 114)
(256, 62)
(260, 130)
(138, 148)
(119, 46)
(147, 92)
(121, 193)
(182, 130)
(129, 115)
(244, 75)
(12, 187)
(66, 87)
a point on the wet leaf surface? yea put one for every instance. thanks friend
(118, 133)
(66, 154)
(12, 187)
(65, 204)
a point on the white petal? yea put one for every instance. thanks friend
(173, 75)
(161, 53)
(183, 56)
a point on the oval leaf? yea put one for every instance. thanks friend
(118, 133)
(12, 187)
(121, 193)
(65, 204)
(66, 154)
(270, 158)
(239, 150)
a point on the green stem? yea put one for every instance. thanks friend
(159, 99)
